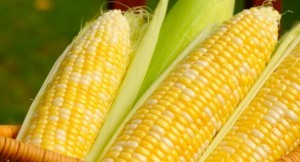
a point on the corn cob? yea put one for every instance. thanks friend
(183, 114)
(270, 126)
(67, 114)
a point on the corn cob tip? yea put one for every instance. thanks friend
(269, 11)
(134, 20)
(137, 19)
(107, 17)
(266, 15)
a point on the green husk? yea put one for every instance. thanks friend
(286, 44)
(182, 24)
(203, 35)
(153, 3)
(129, 89)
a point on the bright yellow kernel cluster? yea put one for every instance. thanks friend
(72, 109)
(182, 116)
(270, 126)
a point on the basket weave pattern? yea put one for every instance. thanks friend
(13, 150)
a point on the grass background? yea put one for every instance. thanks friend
(33, 33)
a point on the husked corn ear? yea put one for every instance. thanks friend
(270, 126)
(181, 117)
(71, 110)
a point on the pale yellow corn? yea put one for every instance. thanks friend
(270, 127)
(70, 112)
(181, 117)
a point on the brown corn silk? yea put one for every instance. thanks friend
(181, 117)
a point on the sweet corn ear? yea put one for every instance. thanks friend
(270, 127)
(70, 109)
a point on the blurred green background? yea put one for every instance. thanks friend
(33, 33)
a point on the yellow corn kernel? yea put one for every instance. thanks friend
(69, 114)
(277, 130)
(185, 112)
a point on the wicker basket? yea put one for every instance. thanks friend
(13, 150)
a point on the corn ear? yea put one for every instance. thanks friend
(69, 110)
(185, 20)
(284, 47)
(272, 115)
